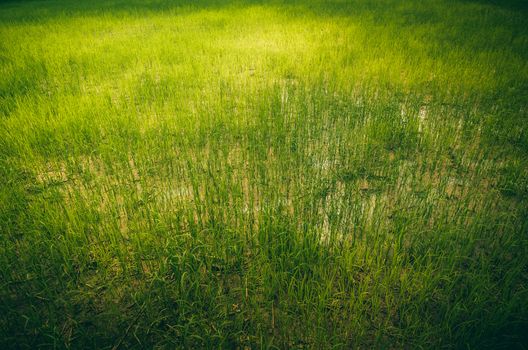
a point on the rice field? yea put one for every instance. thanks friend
(313, 174)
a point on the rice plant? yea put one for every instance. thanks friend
(250, 174)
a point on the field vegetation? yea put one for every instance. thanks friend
(250, 174)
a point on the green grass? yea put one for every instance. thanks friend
(320, 174)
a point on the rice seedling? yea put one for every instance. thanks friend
(249, 174)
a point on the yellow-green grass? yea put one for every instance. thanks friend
(320, 174)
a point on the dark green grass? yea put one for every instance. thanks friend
(342, 174)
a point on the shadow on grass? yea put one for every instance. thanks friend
(387, 11)
(511, 5)
(15, 11)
